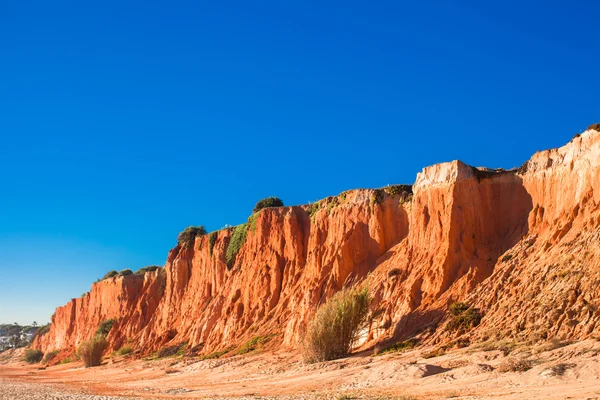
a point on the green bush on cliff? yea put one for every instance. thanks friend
(594, 127)
(253, 344)
(125, 350)
(212, 239)
(336, 325)
(33, 356)
(150, 268)
(464, 317)
(105, 327)
(50, 356)
(126, 272)
(267, 202)
(189, 234)
(238, 238)
(109, 274)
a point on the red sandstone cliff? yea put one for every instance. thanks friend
(520, 245)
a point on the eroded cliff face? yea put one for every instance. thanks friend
(521, 245)
(129, 300)
(548, 285)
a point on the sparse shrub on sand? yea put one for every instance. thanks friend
(33, 356)
(336, 326)
(215, 354)
(400, 346)
(253, 344)
(50, 356)
(172, 351)
(513, 364)
(123, 351)
(91, 351)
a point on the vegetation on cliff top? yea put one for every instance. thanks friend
(109, 274)
(595, 127)
(267, 202)
(189, 234)
(150, 268)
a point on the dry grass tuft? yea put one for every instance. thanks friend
(336, 325)
(91, 351)
(513, 364)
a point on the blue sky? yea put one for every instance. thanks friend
(121, 123)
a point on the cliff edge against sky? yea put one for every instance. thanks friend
(520, 245)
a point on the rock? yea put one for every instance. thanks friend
(504, 240)
(423, 370)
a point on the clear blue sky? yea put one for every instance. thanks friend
(123, 122)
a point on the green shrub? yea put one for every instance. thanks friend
(189, 234)
(91, 351)
(512, 364)
(464, 317)
(377, 196)
(215, 354)
(212, 239)
(33, 356)
(105, 327)
(172, 351)
(150, 268)
(126, 272)
(313, 208)
(253, 344)
(331, 204)
(110, 274)
(401, 346)
(594, 127)
(336, 325)
(238, 238)
(123, 351)
(458, 308)
(252, 222)
(50, 356)
(267, 202)
(395, 190)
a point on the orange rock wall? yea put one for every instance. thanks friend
(447, 241)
